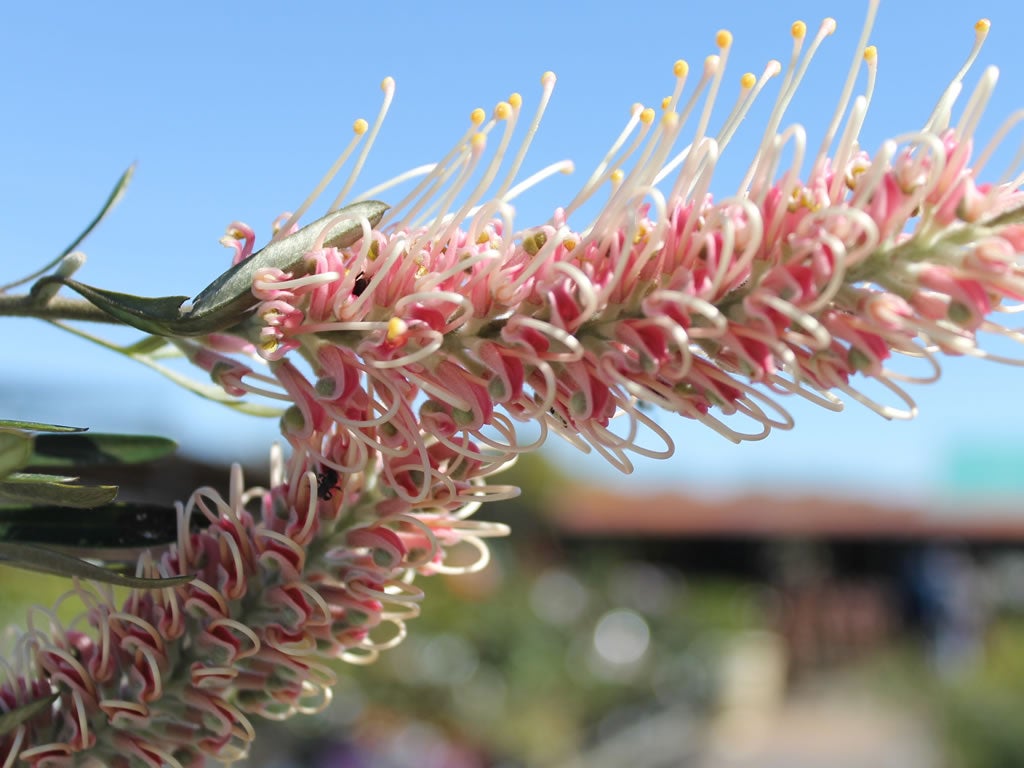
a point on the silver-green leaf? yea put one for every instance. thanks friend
(35, 488)
(37, 426)
(43, 560)
(228, 299)
(15, 451)
(98, 448)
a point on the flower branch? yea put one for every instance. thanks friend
(57, 308)
(431, 330)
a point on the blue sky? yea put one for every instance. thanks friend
(233, 111)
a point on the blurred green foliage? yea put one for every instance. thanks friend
(980, 710)
(974, 708)
(529, 661)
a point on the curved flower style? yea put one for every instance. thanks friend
(409, 358)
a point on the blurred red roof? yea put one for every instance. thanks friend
(602, 512)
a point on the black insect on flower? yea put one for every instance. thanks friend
(360, 285)
(326, 483)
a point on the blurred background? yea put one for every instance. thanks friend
(656, 629)
(846, 594)
(768, 630)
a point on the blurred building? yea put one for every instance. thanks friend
(845, 575)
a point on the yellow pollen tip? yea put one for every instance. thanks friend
(360, 127)
(617, 176)
(870, 54)
(748, 81)
(670, 119)
(680, 68)
(548, 78)
(647, 116)
(396, 328)
(982, 26)
(569, 245)
(387, 84)
(477, 116)
(666, 102)
(515, 100)
(503, 111)
(723, 38)
(798, 30)
(479, 141)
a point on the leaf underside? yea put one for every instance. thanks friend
(228, 300)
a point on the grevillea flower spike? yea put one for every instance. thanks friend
(446, 324)
(409, 357)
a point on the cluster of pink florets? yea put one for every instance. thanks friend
(802, 288)
(318, 567)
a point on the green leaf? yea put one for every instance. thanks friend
(154, 316)
(205, 390)
(35, 426)
(112, 199)
(11, 720)
(43, 560)
(109, 526)
(48, 489)
(229, 298)
(98, 448)
(39, 477)
(146, 346)
(15, 450)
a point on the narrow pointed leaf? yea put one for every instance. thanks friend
(206, 390)
(154, 316)
(98, 448)
(39, 477)
(35, 426)
(43, 560)
(229, 298)
(15, 451)
(45, 489)
(11, 720)
(146, 346)
(112, 199)
(109, 526)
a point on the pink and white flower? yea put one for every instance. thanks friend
(409, 359)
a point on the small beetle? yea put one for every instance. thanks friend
(326, 483)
